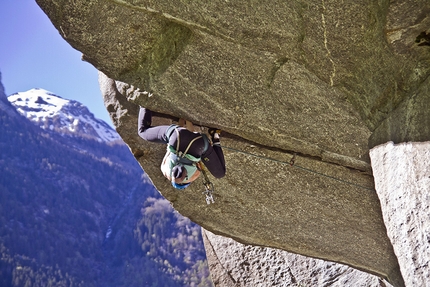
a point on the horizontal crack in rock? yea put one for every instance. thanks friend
(325, 156)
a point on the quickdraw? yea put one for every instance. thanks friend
(209, 187)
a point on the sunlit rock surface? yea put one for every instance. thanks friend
(279, 78)
(233, 264)
(402, 178)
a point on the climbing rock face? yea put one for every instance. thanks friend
(234, 265)
(312, 207)
(279, 78)
(402, 177)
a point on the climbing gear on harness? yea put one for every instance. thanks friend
(209, 187)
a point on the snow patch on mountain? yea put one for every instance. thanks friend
(68, 117)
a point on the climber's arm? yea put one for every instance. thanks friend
(213, 159)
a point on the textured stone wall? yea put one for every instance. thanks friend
(237, 265)
(402, 179)
(313, 208)
(280, 78)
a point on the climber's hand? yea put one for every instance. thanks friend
(214, 133)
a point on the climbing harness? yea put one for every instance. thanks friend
(209, 187)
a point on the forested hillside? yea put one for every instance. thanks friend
(77, 212)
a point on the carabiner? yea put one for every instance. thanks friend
(209, 188)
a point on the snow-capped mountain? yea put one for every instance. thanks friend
(70, 208)
(67, 117)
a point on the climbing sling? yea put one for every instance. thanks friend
(209, 187)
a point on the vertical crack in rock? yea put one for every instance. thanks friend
(333, 74)
(293, 278)
(213, 251)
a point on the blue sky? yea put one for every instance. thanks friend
(34, 55)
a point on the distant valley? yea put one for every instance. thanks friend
(77, 210)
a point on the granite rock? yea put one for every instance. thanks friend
(315, 80)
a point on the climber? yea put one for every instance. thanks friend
(186, 150)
